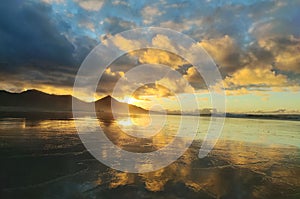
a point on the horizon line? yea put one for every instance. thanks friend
(175, 112)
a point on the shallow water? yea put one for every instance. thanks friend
(44, 158)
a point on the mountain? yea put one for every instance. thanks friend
(105, 105)
(37, 101)
(34, 100)
(38, 104)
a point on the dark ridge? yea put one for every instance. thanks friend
(38, 101)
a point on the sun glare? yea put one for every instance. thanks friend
(130, 100)
(144, 121)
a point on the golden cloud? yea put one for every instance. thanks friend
(118, 73)
(154, 56)
(225, 52)
(263, 77)
(286, 52)
(255, 81)
(152, 90)
(124, 44)
(177, 85)
(150, 56)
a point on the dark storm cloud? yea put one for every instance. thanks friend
(28, 34)
(33, 42)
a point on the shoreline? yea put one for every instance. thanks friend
(69, 115)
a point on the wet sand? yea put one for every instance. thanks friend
(46, 159)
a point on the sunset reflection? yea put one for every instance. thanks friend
(140, 138)
(231, 164)
(217, 175)
(260, 170)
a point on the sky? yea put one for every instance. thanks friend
(255, 44)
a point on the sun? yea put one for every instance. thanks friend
(140, 102)
(130, 100)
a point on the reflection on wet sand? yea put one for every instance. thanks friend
(54, 164)
(116, 131)
(234, 169)
(218, 176)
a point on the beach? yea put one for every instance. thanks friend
(44, 158)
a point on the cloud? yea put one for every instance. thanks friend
(255, 64)
(120, 2)
(41, 41)
(176, 84)
(255, 44)
(257, 77)
(244, 68)
(37, 40)
(276, 26)
(165, 87)
(153, 56)
(281, 111)
(161, 82)
(108, 81)
(89, 25)
(123, 44)
(237, 91)
(38, 51)
(286, 52)
(20, 86)
(114, 25)
(53, 1)
(225, 52)
(150, 55)
(194, 78)
(163, 42)
(278, 33)
(150, 13)
(55, 82)
(153, 90)
(90, 5)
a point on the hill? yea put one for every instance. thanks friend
(37, 101)
(105, 105)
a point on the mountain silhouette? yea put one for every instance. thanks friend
(34, 103)
(108, 103)
(37, 101)
(34, 100)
